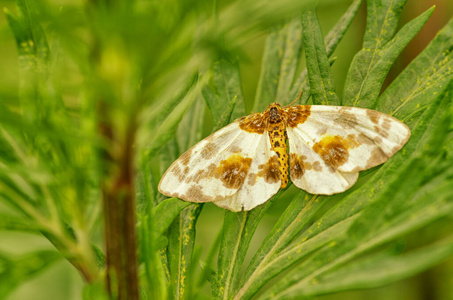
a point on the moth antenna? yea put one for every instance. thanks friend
(298, 98)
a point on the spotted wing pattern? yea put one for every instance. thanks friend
(234, 168)
(244, 164)
(262, 182)
(213, 169)
(310, 172)
(339, 142)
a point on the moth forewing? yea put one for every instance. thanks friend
(213, 169)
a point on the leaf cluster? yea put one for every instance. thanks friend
(105, 60)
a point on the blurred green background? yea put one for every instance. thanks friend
(62, 281)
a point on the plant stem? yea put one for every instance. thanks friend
(119, 215)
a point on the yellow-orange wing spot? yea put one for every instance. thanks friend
(214, 168)
(299, 164)
(373, 137)
(312, 173)
(334, 150)
(262, 180)
(270, 171)
(233, 170)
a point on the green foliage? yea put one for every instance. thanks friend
(282, 53)
(322, 88)
(14, 271)
(127, 102)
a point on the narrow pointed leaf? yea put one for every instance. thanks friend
(382, 21)
(280, 60)
(164, 214)
(238, 229)
(331, 41)
(335, 35)
(378, 270)
(226, 86)
(384, 59)
(322, 88)
(167, 129)
(424, 79)
(180, 251)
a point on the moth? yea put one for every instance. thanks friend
(245, 163)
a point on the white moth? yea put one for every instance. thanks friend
(245, 163)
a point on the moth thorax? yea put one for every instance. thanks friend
(274, 115)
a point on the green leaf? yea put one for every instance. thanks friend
(331, 41)
(146, 189)
(424, 79)
(296, 216)
(226, 117)
(207, 266)
(238, 229)
(30, 37)
(167, 129)
(383, 60)
(99, 256)
(164, 214)
(226, 87)
(154, 262)
(379, 269)
(322, 88)
(180, 250)
(14, 271)
(190, 129)
(159, 112)
(382, 21)
(335, 35)
(9, 222)
(280, 60)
